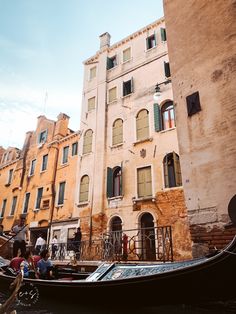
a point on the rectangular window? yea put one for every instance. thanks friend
(91, 103)
(61, 193)
(151, 41)
(65, 154)
(144, 182)
(26, 203)
(10, 176)
(13, 206)
(128, 87)
(74, 149)
(4, 204)
(56, 233)
(39, 198)
(127, 54)
(111, 62)
(112, 94)
(71, 232)
(44, 162)
(92, 73)
(42, 137)
(167, 69)
(32, 167)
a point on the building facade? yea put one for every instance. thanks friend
(204, 91)
(38, 181)
(129, 176)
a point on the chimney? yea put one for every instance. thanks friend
(105, 40)
(61, 128)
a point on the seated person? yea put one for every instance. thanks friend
(15, 263)
(27, 265)
(44, 266)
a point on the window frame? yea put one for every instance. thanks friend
(26, 203)
(85, 144)
(120, 135)
(74, 149)
(89, 105)
(149, 41)
(38, 198)
(109, 90)
(3, 208)
(13, 205)
(65, 155)
(61, 193)
(41, 140)
(91, 77)
(32, 167)
(82, 192)
(146, 182)
(147, 134)
(10, 176)
(44, 163)
(128, 48)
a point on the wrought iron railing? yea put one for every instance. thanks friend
(145, 244)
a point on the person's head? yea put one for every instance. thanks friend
(22, 221)
(27, 254)
(44, 254)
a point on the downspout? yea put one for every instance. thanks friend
(24, 153)
(53, 190)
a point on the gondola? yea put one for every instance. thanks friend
(198, 280)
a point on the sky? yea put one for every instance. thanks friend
(43, 44)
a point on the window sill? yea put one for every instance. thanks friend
(120, 197)
(59, 205)
(36, 210)
(86, 154)
(124, 62)
(116, 66)
(65, 164)
(173, 188)
(126, 96)
(10, 217)
(82, 204)
(151, 49)
(149, 139)
(143, 199)
(167, 130)
(116, 146)
(42, 171)
(112, 102)
(7, 184)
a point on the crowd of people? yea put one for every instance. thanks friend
(36, 263)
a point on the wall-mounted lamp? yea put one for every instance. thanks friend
(157, 94)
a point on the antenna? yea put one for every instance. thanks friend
(45, 101)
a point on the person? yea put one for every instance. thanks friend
(44, 266)
(21, 235)
(54, 246)
(27, 265)
(77, 242)
(40, 244)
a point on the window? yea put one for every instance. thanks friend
(84, 189)
(167, 69)
(13, 206)
(74, 149)
(112, 94)
(87, 145)
(167, 114)
(44, 163)
(128, 87)
(92, 73)
(61, 193)
(127, 54)
(151, 41)
(39, 198)
(91, 103)
(144, 182)
(10, 176)
(42, 137)
(163, 34)
(56, 233)
(32, 167)
(114, 181)
(4, 204)
(117, 132)
(65, 154)
(4, 157)
(71, 233)
(142, 125)
(111, 62)
(26, 203)
(172, 171)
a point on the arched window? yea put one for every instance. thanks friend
(114, 181)
(88, 138)
(167, 115)
(172, 171)
(117, 132)
(148, 245)
(116, 235)
(142, 125)
(84, 189)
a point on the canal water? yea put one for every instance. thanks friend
(65, 308)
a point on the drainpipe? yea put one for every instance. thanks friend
(53, 190)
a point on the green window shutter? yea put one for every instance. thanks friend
(163, 34)
(109, 63)
(109, 182)
(178, 178)
(121, 178)
(157, 117)
(155, 37)
(132, 84)
(167, 69)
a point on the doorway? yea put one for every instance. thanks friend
(148, 246)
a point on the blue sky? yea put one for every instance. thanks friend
(43, 44)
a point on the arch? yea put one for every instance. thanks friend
(167, 115)
(172, 170)
(84, 189)
(116, 235)
(117, 132)
(142, 124)
(87, 144)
